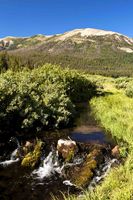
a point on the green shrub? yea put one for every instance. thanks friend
(122, 82)
(129, 90)
(39, 98)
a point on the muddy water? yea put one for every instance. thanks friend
(49, 179)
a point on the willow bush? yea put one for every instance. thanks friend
(42, 97)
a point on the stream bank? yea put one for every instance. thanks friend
(54, 174)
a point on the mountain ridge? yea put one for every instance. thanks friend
(91, 30)
(86, 32)
(79, 36)
(92, 50)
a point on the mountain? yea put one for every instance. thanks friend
(77, 36)
(20, 42)
(92, 50)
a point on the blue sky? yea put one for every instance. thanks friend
(30, 17)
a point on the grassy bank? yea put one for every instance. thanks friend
(114, 111)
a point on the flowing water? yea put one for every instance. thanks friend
(53, 176)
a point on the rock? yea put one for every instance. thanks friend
(82, 174)
(28, 144)
(28, 147)
(115, 152)
(67, 149)
(31, 159)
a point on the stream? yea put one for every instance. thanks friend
(53, 175)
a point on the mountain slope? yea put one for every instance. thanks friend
(96, 51)
(77, 36)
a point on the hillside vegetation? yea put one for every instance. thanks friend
(109, 54)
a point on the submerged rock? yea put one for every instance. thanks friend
(32, 158)
(66, 149)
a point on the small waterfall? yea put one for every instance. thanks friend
(68, 183)
(102, 172)
(13, 159)
(13, 156)
(50, 166)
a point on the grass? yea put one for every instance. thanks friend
(115, 113)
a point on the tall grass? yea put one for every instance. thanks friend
(115, 113)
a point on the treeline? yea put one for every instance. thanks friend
(119, 64)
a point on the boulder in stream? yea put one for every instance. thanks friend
(116, 151)
(28, 147)
(66, 149)
(82, 174)
(32, 158)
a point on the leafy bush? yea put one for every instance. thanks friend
(122, 82)
(126, 84)
(42, 97)
(129, 90)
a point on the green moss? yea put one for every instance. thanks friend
(85, 172)
(70, 155)
(31, 159)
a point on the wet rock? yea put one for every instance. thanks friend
(88, 147)
(28, 147)
(81, 175)
(66, 149)
(31, 159)
(28, 144)
(115, 152)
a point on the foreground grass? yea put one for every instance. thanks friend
(115, 113)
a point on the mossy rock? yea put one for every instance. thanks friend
(31, 159)
(67, 149)
(70, 156)
(84, 173)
